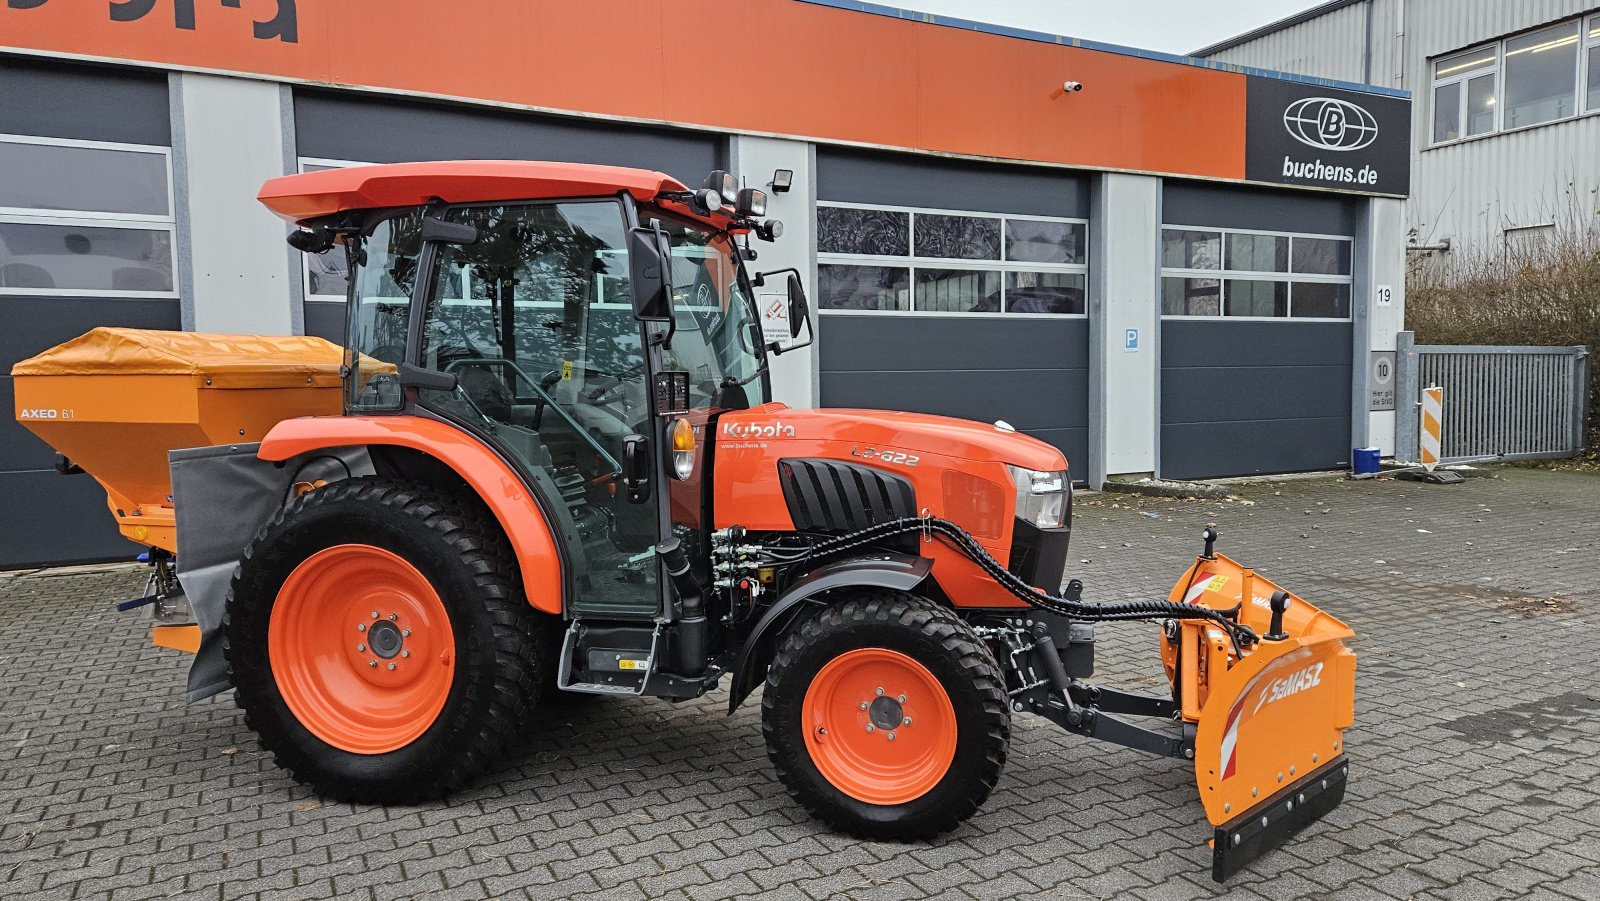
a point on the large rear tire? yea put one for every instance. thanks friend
(379, 641)
(885, 716)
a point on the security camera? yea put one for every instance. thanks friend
(1072, 86)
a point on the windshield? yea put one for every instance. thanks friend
(718, 339)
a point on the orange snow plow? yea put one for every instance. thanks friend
(1269, 737)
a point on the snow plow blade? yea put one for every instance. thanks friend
(1269, 740)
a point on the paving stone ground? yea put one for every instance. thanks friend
(1476, 750)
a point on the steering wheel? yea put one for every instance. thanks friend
(543, 400)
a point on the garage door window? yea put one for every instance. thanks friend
(82, 217)
(899, 260)
(1254, 274)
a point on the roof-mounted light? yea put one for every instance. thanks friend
(752, 203)
(726, 186)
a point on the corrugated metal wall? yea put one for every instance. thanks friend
(1469, 192)
(1328, 47)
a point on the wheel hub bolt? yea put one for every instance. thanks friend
(869, 727)
(361, 647)
(393, 617)
(374, 614)
(391, 667)
(880, 692)
(891, 736)
(372, 663)
(907, 721)
(902, 699)
(405, 653)
(863, 705)
(405, 633)
(361, 627)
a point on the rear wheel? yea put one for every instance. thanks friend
(379, 642)
(885, 716)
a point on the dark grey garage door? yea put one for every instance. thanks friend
(1253, 397)
(66, 267)
(1034, 378)
(358, 128)
(960, 292)
(1256, 338)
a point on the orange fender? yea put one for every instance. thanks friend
(500, 488)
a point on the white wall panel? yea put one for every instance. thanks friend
(238, 278)
(1124, 381)
(755, 159)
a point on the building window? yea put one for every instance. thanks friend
(1541, 76)
(1464, 92)
(1533, 78)
(934, 261)
(82, 217)
(1254, 274)
(1591, 64)
(327, 274)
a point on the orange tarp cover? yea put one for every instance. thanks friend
(225, 361)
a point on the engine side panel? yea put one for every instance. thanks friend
(954, 468)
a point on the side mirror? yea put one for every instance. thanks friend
(636, 465)
(799, 309)
(650, 267)
(437, 229)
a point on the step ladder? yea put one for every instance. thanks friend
(564, 670)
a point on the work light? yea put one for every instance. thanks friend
(724, 184)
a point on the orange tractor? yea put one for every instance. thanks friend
(547, 459)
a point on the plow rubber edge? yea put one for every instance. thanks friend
(1258, 830)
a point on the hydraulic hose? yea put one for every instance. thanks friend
(962, 541)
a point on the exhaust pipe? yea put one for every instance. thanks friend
(690, 647)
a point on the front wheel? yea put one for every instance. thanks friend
(885, 716)
(379, 642)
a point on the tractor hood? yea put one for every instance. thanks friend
(775, 424)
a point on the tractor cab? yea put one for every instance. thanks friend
(605, 314)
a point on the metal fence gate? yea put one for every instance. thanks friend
(1500, 403)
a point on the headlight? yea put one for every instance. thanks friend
(1042, 497)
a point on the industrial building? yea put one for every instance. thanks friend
(1160, 265)
(1506, 126)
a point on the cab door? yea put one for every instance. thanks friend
(534, 319)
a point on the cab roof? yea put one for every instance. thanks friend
(312, 195)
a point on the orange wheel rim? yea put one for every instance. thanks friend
(879, 726)
(361, 648)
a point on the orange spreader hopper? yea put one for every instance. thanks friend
(115, 400)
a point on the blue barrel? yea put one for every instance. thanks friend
(1364, 460)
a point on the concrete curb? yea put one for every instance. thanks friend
(1154, 488)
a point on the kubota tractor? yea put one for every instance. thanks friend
(547, 459)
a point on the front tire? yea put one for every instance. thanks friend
(379, 642)
(885, 716)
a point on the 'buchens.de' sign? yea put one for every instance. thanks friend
(1322, 137)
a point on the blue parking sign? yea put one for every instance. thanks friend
(1130, 339)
